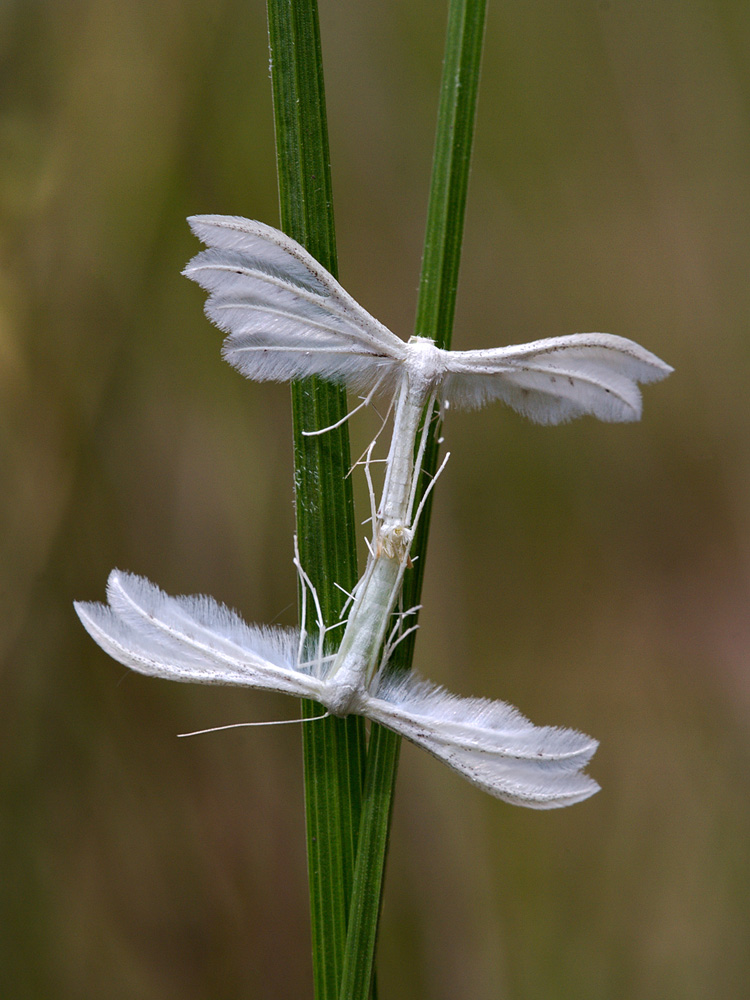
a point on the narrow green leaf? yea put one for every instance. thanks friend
(334, 749)
(435, 311)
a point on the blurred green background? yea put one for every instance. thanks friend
(596, 576)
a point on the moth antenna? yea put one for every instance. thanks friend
(400, 616)
(429, 489)
(384, 421)
(420, 453)
(392, 641)
(303, 601)
(349, 593)
(388, 649)
(250, 725)
(318, 660)
(330, 628)
(314, 594)
(366, 400)
(347, 602)
(371, 490)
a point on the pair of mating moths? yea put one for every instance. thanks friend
(288, 318)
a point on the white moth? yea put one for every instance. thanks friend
(287, 317)
(196, 639)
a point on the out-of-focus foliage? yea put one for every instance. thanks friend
(595, 576)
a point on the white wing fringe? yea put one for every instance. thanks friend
(192, 639)
(197, 639)
(286, 316)
(489, 742)
(557, 379)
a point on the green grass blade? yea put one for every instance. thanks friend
(334, 749)
(450, 172)
(435, 310)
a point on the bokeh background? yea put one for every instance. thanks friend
(596, 576)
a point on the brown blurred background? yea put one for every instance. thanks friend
(596, 576)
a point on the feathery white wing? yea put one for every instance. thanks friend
(196, 639)
(489, 742)
(286, 316)
(557, 379)
(193, 639)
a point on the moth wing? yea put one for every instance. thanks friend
(558, 379)
(192, 639)
(489, 742)
(286, 316)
